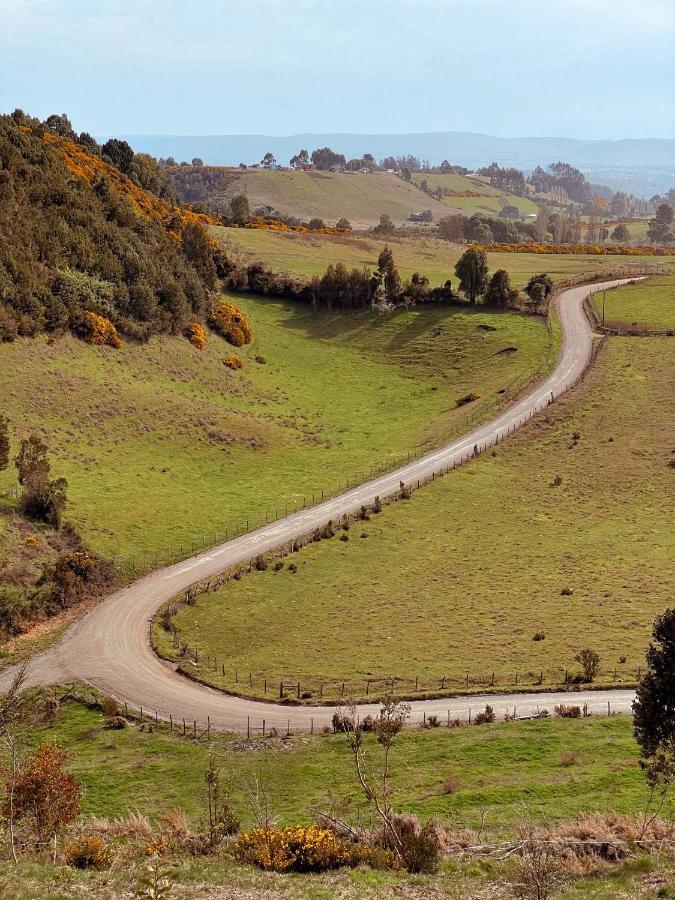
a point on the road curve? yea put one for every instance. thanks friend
(110, 647)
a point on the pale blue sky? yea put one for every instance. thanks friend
(576, 68)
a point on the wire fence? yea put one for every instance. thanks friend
(216, 672)
(340, 719)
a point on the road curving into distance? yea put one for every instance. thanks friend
(110, 646)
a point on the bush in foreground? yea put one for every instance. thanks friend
(292, 849)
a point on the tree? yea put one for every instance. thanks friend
(89, 143)
(590, 663)
(197, 248)
(4, 442)
(325, 158)
(406, 174)
(654, 707)
(220, 820)
(541, 285)
(658, 230)
(452, 228)
(472, 271)
(315, 224)
(41, 499)
(240, 211)
(618, 205)
(541, 223)
(386, 226)
(197, 161)
(621, 234)
(509, 212)
(483, 235)
(61, 126)
(268, 160)
(388, 275)
(344, 223)
(44, 794)
(119, 153)
(499, 291)
(300, 160)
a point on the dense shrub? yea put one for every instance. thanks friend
(42, 794)
(486, 717)
(78, 236)
(196, 334)
(87, 851)
(233, 362)
(99, 330)
(568, 712)
(77, 574)
(420, 843)
(230, 322)
(295, 848)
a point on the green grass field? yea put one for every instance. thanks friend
(491, 201)
(648, 304)
(462, 576)
(509, 771)
(163, 445)
(307, 254)
(359, 197)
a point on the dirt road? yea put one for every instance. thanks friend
(109, 647)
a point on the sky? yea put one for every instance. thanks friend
(572, 68)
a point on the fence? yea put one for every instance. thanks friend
(212, 671)
(262, 726)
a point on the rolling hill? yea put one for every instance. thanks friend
(361, 198)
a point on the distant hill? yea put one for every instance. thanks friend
(621, 161)
(361, 198)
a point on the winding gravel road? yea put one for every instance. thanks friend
(110, 648)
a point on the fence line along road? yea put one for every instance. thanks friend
(109, 647)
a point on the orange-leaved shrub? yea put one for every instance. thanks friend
(196, 334)
(99, 330)
(230, 322)
(233, 362)
(88, 851)
(42, 794)
(295, 848)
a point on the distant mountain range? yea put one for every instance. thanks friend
(643, 166)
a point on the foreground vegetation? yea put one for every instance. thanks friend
(137, 783)
(558, 540)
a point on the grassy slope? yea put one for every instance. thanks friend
(507, 770)
(328, 196)
(310, 254)
(463, 575)
(544, 771)
(162, 445)
(489, 203)
(649, 304)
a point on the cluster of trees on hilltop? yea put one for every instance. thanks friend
(68, 246)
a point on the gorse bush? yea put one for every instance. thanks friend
(196, 334)
(230, 322)
(88, 851)
(293, 849)
(233, 362)
(99, 330)
(79, 235)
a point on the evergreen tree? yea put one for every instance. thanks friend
(472, 271)
(654, 708)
